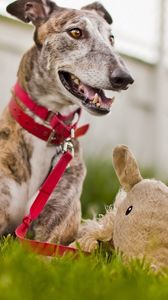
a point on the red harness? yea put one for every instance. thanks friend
(54, 132)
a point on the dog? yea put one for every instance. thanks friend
(70, 65)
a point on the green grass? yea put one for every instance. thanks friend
(100, 187)
(26, 276)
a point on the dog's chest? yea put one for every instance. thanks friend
(40, 163)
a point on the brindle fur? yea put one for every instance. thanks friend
(14, 156)
(24, 159)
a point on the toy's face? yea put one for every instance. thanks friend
(141, 223)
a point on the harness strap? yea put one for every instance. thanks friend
(44, 193)
(38, 205)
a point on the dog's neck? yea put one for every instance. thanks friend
(33, 78)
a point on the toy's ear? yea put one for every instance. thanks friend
(126, 167)
(35, 11)
(100, 9)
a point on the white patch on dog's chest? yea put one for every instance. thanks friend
(22, 194)
(40, 164)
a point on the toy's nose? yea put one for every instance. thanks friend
(121, 79)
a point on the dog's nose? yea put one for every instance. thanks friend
(120, 79)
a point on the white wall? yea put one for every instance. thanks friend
(139, 116)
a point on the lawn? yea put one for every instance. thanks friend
(24, 275)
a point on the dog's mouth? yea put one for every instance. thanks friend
(94, 100)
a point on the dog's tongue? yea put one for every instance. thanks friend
(95, 95)
(88, 91)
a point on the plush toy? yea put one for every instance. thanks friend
(137, 224)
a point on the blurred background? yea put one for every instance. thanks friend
(139, 117)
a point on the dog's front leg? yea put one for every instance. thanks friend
(61, 217)
(66, 231)
(13, 197)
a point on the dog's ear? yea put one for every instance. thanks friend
(35, 11)
(100, 9)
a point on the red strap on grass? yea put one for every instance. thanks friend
(47, 249)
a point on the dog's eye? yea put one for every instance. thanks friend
(129, 210)
(76, 33)
(111, 38)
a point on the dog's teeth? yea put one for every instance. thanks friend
(96, 98)
(98, 104)
(77, 81)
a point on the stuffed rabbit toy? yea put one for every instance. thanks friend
(137, 224)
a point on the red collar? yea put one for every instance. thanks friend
(54, 130)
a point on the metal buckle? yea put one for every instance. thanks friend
(49, 117)
(51, 138)
(68, 145)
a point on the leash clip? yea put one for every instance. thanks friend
(68, 145)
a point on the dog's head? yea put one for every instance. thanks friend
(76, 51)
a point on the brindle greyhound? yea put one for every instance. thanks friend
(71, 63)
